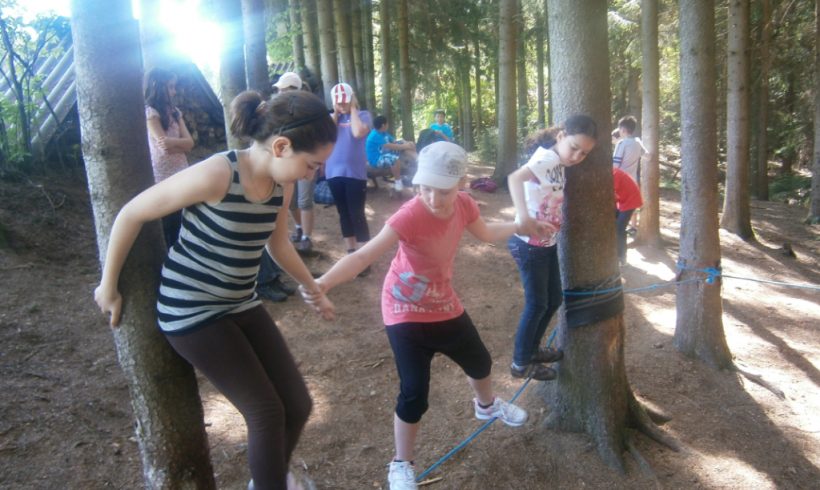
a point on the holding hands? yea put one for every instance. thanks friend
(529, 226)
(318, 300)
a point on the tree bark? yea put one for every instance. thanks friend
(164, 396)
(369, 80)
(762, 173)
(358, 50)
(344, 43)
(256, 53)
(405, 80)
(296, 33)
(507, 156)
(592, 393)
(699, 327)
(327, 47)
(649, 231)
(466, 99)
(736, 216)
(384, 36)
(814, 211)
(231, 62)
(310, 36)
(521, 67)
(539, 67)
(479, 125)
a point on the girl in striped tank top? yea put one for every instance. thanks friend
(207, 305)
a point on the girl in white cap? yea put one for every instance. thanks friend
(421, 311)
(346, 169)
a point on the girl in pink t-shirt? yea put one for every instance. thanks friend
(421, 311)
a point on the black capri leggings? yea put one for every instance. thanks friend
(246, 358)
(415, 344)
(349, 195)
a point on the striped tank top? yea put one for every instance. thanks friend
(211, 270)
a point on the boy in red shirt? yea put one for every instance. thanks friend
(627, 200)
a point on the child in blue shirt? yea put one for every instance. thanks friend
(442, 127)
(383, 151)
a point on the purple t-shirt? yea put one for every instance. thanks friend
(348, 158)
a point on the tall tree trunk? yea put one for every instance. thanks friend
(164, 396)
(539, 67)
(479, 125)
(344, 42)
(310, 36)
(327, 47)
(384, 35)
(369, 80)
(467, 96)
(814, 211)
(296, 33)
(231, 61)
(154, 36)
(507, 157)
(699, 327)
(358, 50)
(649, 231)
(736, 211)
(256, 53)
(548, 96)
(762, 174)
(405, 81)
(521, 67)
(591, 393)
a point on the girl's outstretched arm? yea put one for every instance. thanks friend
(207, 181)
(491, 232)
(285, 255)
(351, 265)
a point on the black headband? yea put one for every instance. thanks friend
(302, 122)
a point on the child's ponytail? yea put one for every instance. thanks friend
(245, 117)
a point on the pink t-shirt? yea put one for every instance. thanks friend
(544, 194)
(165, 163)
(418, 286)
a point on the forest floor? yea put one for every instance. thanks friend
(65, 417)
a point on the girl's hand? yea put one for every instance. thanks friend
(162, 144)
(109, 302)
(528, 226)
(318, 300)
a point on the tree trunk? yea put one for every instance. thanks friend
(699, 327)
(649, 231)
(327, 47)
(344, 42)
(466, 99)
(547, 49)
(736, 211)
(592, 393)
(814, 211)
(231, 62)
(539, 66)
(384, 36)
(521, 67)
(762, 174)
(256, 53)
(154, 37)
(164, 396)
(405, 83)
(358, 51)
(310, 36)
(296, 33)
(479, 126)
(507, 156)
(369, 80)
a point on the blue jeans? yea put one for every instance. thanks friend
(621, 221)
(541, 278)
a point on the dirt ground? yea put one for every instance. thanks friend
(65, 419)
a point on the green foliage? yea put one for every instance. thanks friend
(24, 44)
(790, 188)
(487, 144)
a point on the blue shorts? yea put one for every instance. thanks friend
(386, 159)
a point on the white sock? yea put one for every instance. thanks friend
(397, 185)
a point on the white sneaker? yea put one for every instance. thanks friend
(402, 476)
(510, 414)
(398, 186)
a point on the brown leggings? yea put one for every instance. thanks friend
(246, 358)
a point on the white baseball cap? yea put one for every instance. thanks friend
(341, 93)
(441, 165)
(288, 80)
